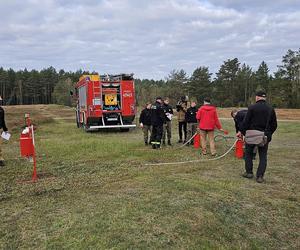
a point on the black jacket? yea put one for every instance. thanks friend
(157, 114)
(257, 117)
(190, 115)
(167, 109)
(2, 120)
(145, 117)
(239, 118)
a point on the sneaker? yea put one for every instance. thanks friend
(214, 155)
(260, 179)
(2, 164)
(247, 175)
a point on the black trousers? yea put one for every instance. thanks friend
(182, 126)
(262, 152)
(156, 134)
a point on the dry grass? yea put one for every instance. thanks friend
(96, 192)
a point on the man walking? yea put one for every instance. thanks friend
(2, 126)
(167, 127)
(261, 117)
(208, 121)
(157, 122)
(192, 122)
(145, 122)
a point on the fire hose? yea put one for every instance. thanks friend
(193, 161)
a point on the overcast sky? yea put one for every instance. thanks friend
(146, 37)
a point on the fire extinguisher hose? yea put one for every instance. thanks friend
(193, 161)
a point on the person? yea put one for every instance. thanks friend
(167, 127)
(145, 122)
(181, 108)
(4, 128)
(208, 121)
(238, 117)
(262, 117)
(157, 121)
(192, 123)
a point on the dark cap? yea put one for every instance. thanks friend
(261, 93)
(207, 99)
(158, 98)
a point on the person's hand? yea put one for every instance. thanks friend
(141, 125)
(225, 132)
(239, 134)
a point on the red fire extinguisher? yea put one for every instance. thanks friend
(239, 148)
(27, 145)
(197, 141)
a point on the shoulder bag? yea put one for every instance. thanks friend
(257, 137)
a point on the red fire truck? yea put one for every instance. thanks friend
(105, 101)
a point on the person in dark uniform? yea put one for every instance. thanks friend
(192, 122)
(145, 122)
(2, 126)
(262, 117)
(157, 122)
(167, 127)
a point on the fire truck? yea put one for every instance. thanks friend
(105, 101)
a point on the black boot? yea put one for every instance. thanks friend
(169, 143)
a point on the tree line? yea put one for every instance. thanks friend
(234, 84)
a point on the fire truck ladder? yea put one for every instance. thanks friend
(96, 93)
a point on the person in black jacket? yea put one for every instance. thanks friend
(145, 122)
(238, 117)
(192, 123)
(2, 126)
(262, 117)
(157, 122)
(167, 127)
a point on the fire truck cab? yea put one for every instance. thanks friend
(105, 101)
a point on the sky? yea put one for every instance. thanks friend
(149, 38)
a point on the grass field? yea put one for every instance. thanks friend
(95, 191)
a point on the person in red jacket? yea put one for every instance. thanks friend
(208, 121)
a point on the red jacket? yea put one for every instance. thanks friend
(208, 118)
